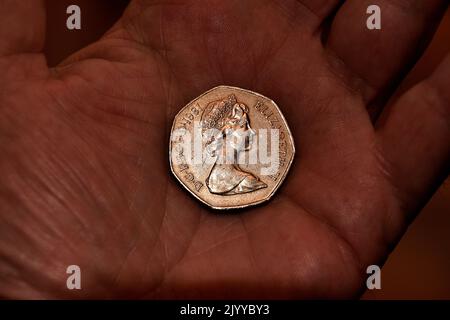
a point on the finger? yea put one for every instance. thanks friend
(322, 9)
(22, 26)
(379, 58)
(311, 13)
(140, 15)
(414, 135)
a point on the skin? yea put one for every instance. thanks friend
(84, 149)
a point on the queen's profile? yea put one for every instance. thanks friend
(229, 120)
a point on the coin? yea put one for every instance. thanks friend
(231, 148)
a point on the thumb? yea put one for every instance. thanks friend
(22, 26)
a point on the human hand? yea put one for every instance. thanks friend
(84, 165)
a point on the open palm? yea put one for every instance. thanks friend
(84, 149)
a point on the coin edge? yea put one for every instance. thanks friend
(280, 182)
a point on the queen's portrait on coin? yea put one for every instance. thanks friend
(230, 120)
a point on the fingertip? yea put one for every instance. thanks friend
(22, 26)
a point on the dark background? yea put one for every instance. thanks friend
(419, 267)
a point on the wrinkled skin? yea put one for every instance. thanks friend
(84, 167)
